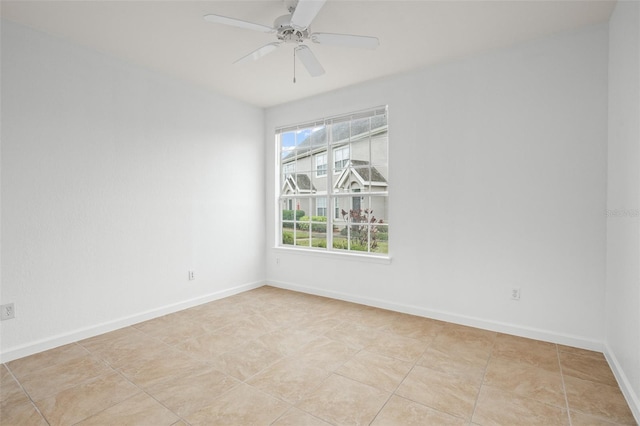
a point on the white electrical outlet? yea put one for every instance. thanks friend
(7, 311)
(192, 275)
(515, 293)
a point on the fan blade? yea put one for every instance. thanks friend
(258, 53)
(363, 42)
(309, 61)
(305, 12)
(217, 19)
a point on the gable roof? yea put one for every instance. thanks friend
(365, 175)
(298, 183)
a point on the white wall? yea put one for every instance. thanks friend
(115, 182)
(497, 180)
(623, 201)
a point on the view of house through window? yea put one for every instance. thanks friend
(333, 184)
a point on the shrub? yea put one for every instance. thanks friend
(319, 243)
(315, 227)
(344, 245)
(287, 237)
(288, 214)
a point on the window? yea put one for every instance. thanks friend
(354, 186)
(321, 206)
(288, 168)
(321, 164)
(340, 158)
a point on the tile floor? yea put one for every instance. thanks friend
(276, 357)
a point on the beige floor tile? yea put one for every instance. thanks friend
(403, 348)
(189, 393)
(342, 401)
(534, 352)
(496, 407)
(243, 405)
(82, 401)
(326, 353)
(581, 419)
(287, 342)
(284, 316)
(579, 351)
(372, 317)
(588, 367)
(455, 395)
(151, 373)
(63, 375)
(289, 379)
(30, 364)
(457, 361)
(139, 410)
(358, 336)
(339, 362)
(376, 370)
(19, 410)
(401, 411)
(460, 333)
(210, 345)
(9, 388)
(121, 347)
(295, 417)
(318, 325)
(248, 328)
(597, 399)
(413, 326)
(527, 381)
(245, 361)
(173, 329)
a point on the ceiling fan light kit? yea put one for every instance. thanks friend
(294, 29)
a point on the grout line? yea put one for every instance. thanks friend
(484, 373)
(564, 389)
(33, 403)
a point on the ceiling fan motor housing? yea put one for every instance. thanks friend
(288, 33)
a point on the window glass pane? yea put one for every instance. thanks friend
(321, 207)
(360, 129)
(287, 235)
(381, 235)
(302, 237)
(378, 208)
(341, 156)
(318, 232)
(340, 132)
(321, 164)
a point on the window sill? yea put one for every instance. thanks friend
(380, 259)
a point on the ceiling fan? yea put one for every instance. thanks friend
(294, 28)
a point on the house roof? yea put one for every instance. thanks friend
(342, 133)
(368, 174)
(365, 175)
(299, 183)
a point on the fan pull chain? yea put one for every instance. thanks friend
(294, 65)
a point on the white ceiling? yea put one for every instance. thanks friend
(172, 37)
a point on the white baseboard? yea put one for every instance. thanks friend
(633, 399)
(529, 332)
(84, 333)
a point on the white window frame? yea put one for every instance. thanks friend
(333, 193)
